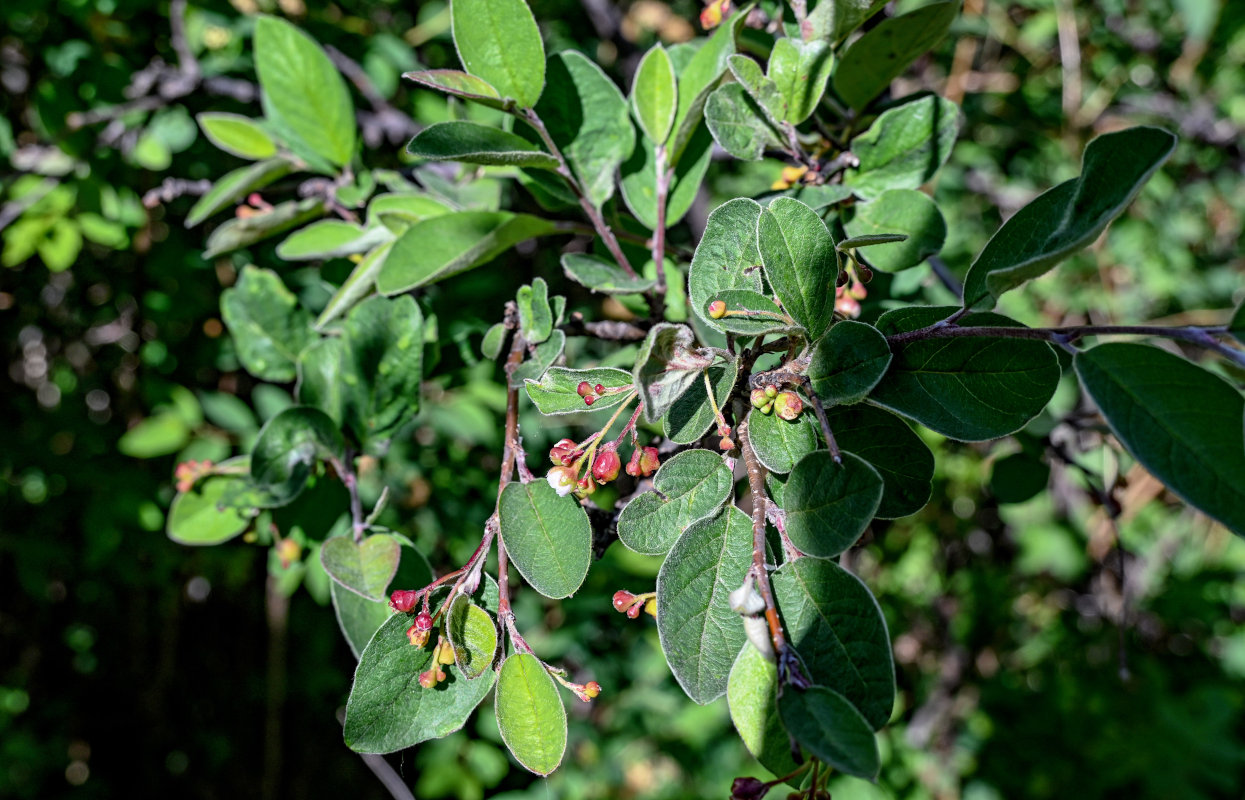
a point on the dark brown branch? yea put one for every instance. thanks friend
(608, 330)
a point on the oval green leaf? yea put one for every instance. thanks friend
(198, 518)
(654, 95)
(726, 257)
(237, 135)
(780, 443)
(477, 144)
(268, 326)
(752, 695)
(829, 505)
(687, 488)
(548, 537)
(459, 84)
(365, 568)
(885, 51)
(899, 211)
(893, 449)
(472, 633)
(530, 714)
(831, 729)
(800, 262)
(848, 362)
(498, 42)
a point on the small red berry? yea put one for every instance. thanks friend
(562, 451)
(589, 400)
(403, 600)
(599, 389)
(428, 679)
(584, 388)
(727, 444)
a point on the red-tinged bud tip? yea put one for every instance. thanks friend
(589, 400)
(717, 309)
(584, 388)
(606, 466)
(788, 405)
(428, 679)
(423, 621)
(585, 486)
(599, 389)
(649, 461)
(592, 688)
(758, 398)
(417, 637)
(403, 600)
(562, 452)
(771, 391)
(623, 600)
(634, 611)
(727, 444)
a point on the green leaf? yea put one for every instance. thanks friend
(538, 361)
(237, 135)
(359, 284)
(601, 275)
(535, 316)
(833, 20)
(1181, 422)
(1070, 216)
(459, 84)
(698, 79)
(556, 391)
(893, 449)
(726, 257)
(780, 443)
(900, 211)
(654, 94)
(768, 317)
(760, 88)
(242, 232)
(548, 537)
(687, 488)
(235, 185)
(870, 240)
(1018, 477)
(638, 179)
(302, 91)
(904, 147)
(331, 238)
(472, 633)
(831, 729)
(359, 619)
(800, 70)
(438, 248)
(835, 624)
(477, 144)
(268, 326)
(157, 435)
(667, 366)
(848, 362)
(494, 338)
(365, 568)
(691, 415)
(885, 51)
(700, 634)
(198, 518)
(970, 388)
(320, 377)
(588, 119)
(288, 447)
(498, 41)
(829, 505)
(800, 262)
(739, 124)
(817, 198)
(397, 211)
(388, 710)
(382, 366)
(530, 714)
(752, 694)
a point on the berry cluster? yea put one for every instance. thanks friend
(602, 465)
(590, 393)
(787, 405)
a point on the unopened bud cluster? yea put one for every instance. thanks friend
(188, 474)
(590, 393)
(601, 467)
(787, 405)
(442, 655)
(632, 604)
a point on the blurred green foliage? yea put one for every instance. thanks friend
(1024, 671)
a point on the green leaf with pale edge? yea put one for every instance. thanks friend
(831, 729)
(848, 362)
(869, 240)
(904, 147)
(472, 632)
(268, 326)
(459, 84)
(588, 119)
(197, 517)
(899, 211)
(829, 505)
(698, 79)
(666, 367)
(969, 388)
(726, 257)
(530, 714)
(494, 338)
(438, 248)
(691, 415)
(498, 42)
(1181, 422)
(760, 88)
(388, 710)
(800, 70)
(320, 377)
(472, 143)
(157, 435)
(1070, 216)
(538, 362)
(556, 391)
(739, 124)
(240, 232)
(700, 634)
(360, 283)
(365, 568)
(235, 185)
(397, 211)
(548, 537)
(237, 135)
(535, 316)
(287, 448)
(359, 619)
(752, 694)
(654, 94)
(331, 238)
(780, 443)
(638, 179)
(885, 51)
(800, 262)
(835, 19)
(382, 366)
(687, 488)
(893, 449)
(303, 92)
(834, 623)
(773, 320)
(602, 276)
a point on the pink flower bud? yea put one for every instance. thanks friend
(403, 600)
(649, 461)
(584, 389)
(563, 452)
(605, 467)
(717, 309)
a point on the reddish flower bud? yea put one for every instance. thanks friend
(599, 389)
(771, 391)
(403, 600)
(717, 309)
(605, 467)
(788, 405)
(589, 400)
(592, 688)
(649, 461)
(727, 444)
(748, 789)
(758, 398)
(417, 637)
(623, 600)
(562, 480)
(423, 621)
(584, 388)
(584, 486)
(562, 451)
(428, 679)
(633, 466)
(634, 611)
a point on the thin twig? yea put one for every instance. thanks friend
(388, 777)
(756, 483)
